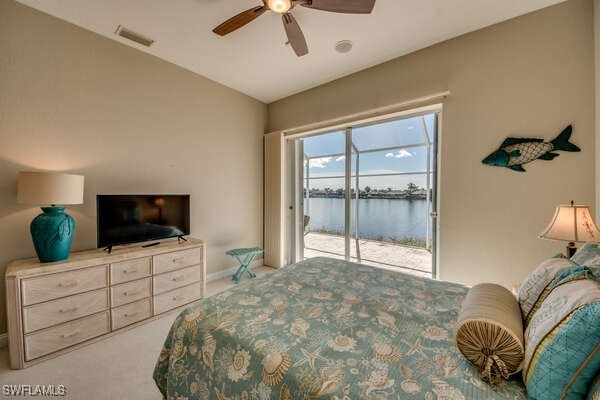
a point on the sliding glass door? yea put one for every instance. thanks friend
(366, 194)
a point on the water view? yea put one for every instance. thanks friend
(391, 167)
(391, 220)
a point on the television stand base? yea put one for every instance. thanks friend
(108, 249)
(151, 244)
(181, 238)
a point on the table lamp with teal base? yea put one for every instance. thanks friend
(52, 231)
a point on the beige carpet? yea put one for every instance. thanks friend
(117, 368)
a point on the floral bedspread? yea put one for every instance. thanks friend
(324, 329)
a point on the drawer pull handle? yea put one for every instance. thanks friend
(67, 284)
(68, 335)
(131, 315)
(67, 310)
(178, 298)
(130, 293)
(177, 259)
(130, 271)
(178, 278)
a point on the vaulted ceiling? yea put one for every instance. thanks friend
(257, 61)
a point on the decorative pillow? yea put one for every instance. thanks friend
(594, 392)
(533, 287)
(562, 343)
(588, 254)
(564, 276)
(489, 332)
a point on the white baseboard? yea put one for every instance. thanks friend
(3, 339)
(230, 271)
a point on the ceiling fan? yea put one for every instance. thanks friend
(292, 29)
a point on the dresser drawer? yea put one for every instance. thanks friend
(130, 292)
(176, 259)
(52, 339)
(55, 312)
(49, 287)
(129, 270)
(175, 298)
(130, 313)
(176, 279)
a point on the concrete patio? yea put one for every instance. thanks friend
(396, 257)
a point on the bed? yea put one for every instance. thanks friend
(324, 329)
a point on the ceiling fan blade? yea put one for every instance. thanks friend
(294, 34)
(239, 20)
(342, 6)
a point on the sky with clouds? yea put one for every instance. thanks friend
(326, 152)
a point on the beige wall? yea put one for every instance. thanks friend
(597, 103)
(530, 76)
(71, 100)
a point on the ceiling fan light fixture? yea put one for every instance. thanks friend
(279, 6)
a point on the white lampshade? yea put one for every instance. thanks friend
(41, 188)
(572, 223)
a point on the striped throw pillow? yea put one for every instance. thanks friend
(538, 284)
(564, 276)
(562, 343)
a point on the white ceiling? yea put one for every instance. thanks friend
(255, 60)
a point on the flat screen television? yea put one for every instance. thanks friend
(125, 219)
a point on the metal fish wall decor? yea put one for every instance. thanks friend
(514, 152)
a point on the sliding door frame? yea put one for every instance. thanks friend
(294, 201)
(295, 192)
(347, 190)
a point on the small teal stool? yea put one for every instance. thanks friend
(245, 256)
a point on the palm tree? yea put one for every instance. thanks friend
(411, 189)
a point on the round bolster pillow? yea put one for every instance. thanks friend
(489, 332)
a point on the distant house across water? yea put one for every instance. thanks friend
(411, 193)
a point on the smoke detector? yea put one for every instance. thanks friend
(343, 46)
(134, 36)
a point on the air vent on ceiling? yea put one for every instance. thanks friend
(131, 35)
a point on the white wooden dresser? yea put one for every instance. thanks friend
(57, 307)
